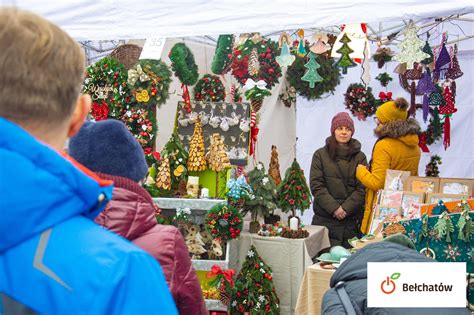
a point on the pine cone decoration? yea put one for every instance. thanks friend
(253, 63)
(224, 296)
(256, 105)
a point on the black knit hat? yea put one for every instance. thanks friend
(108, 147)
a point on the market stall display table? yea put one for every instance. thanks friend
(288, 259)
(315, 283)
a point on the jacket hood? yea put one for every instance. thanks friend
(40, 188)
(398, 129)
(355, 267)
(131, 212)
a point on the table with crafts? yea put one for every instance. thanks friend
(313, 286)
(288, 258)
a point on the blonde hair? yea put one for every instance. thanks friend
(41, 70)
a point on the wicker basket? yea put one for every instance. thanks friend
(127, 54)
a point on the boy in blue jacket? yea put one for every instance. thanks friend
(53, 258)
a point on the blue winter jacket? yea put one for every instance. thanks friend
(53, 258)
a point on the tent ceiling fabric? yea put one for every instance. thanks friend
(102, 20)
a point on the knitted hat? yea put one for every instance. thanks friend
(108, 147)
(342, 119)
(392, 110)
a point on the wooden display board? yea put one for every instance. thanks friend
(235, 131)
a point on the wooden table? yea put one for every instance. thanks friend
(315, 283)
(288, 259)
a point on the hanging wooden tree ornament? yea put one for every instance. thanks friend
(312, 76)
(454, 71)
(442, 61)
(345, 61)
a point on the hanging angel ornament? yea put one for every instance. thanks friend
(410, 47)
(320, 45)
(286, 58)
(301, 51)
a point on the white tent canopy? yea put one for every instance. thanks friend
(101, 20)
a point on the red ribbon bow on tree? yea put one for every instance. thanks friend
(216, 270)
(385, 97)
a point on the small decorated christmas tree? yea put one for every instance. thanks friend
(178, 158)
(312, 76)
(431, 169)
(411, 48)
(274, 168)
(293, 192)
(345, 61)
(254, 289)
(264, 199)
(217, 156)
(163, 178)
(197, 160)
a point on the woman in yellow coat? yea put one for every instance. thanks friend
(396, 149)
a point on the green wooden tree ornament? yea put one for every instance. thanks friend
(311, 75)
(345, 61)
(444, 227)
(465, 227)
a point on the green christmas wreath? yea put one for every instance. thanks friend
(149, 81)
(224, 222)
(360, 101)
(142, 124)
(223, 55)
(106, 83)
(183, 64)
(329, 72)
(269, 69)
(210, 89)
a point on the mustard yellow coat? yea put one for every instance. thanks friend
(396, 149)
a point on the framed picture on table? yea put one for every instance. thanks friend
(381, 215)
(391, 198)
(422, 184)
(435, 198)
(456, 186)
(410, 199)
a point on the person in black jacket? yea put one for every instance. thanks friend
(353, 272)
(338, 195)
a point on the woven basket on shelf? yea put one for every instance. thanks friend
(127, 54)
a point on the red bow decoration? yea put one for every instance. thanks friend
(385, 97)
(156, 155)
(100, 111)
(216, 270)
(422, 143)
(186, 98)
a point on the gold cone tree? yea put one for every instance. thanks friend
(274, 167)
(197, 160)
(163, 178)
(217, 157)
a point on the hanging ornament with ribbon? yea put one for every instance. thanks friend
(345, 61)
(320, 45)
(427, 49)
(454, 71)
(301, 51)
(425, 87)
(311, 75)
(447, 110)
(286, 58)
(442, 61)
(444, 227)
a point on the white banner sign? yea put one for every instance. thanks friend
(417, 284)
(153, 48)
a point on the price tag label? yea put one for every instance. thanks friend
(153, 48)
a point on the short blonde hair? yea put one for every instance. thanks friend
(41, 70)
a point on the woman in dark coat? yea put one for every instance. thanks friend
(338, 195)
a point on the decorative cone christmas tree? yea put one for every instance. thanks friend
(293, 192)
(254, 289)
(447, 110)
(431, 169)
(178, 158)
(274, 167)
(264, 200)
(345, 61)
(411, 48)
(197, 160)
(217, 157)
(311, 75)
(454, 70)
(163, 178)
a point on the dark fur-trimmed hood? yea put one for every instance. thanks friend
(398, 128)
